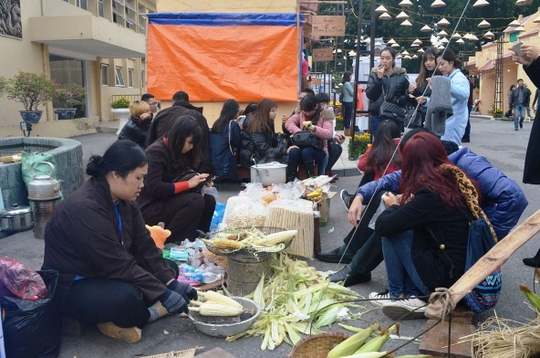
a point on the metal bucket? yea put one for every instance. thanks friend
(243, 275)
(42, 213)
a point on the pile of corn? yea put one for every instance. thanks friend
(297, 300)
(253, 239)
(216, 305)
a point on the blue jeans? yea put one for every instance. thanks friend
(374, 124)
(308, 155)
(403, 279)
(519, 115)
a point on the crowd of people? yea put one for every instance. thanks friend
(407, 211)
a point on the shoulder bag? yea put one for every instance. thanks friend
(185, 176)
(389, 110)
(481, 239)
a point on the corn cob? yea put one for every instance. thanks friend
(375, 344)
(224, 244)
(277, 238)
(351, 344)
(215, 310)
(220, 299)
(533, 298)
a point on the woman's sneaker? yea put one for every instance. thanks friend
(406, 308)
(380, 299)
(346, 198)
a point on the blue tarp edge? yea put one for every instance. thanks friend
(222, 19)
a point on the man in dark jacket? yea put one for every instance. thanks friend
(166, 118)
(519, 100)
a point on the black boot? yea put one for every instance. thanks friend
(310, 169)
(292, 171)
(533, 261)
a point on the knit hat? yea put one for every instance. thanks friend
(440, 105)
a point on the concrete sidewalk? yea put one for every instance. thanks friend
(496, 140)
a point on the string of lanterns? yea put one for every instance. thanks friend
(385, 15)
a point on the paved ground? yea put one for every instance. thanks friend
(495, 140)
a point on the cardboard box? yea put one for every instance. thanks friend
(324, 208)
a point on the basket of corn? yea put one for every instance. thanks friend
(247, 242)
(317, 345)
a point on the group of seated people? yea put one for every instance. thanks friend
(422, 234)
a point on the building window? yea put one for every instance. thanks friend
(119, 78)
(101, 10)
(83, 4)
(130, 77)
(143, 80)
(104, 75)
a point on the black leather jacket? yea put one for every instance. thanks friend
(396, 88)
(514, 97)
(263, 147)
(135, 131)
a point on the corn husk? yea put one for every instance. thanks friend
(498, 337)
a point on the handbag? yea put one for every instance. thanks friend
(414, 118)
(481, 239)
(389, 110)
(306, 139)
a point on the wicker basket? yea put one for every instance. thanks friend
(316, 346)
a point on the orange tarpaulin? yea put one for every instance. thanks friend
(210, 62)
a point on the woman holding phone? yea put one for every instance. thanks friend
(386, 83)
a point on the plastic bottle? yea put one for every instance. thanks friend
(210, 277)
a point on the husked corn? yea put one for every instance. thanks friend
(215, 310)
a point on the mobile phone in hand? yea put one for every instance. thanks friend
(517, 49)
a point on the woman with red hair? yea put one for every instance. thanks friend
(425, 229)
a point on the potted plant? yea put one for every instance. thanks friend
(120, 108)
(32, 90)
(66, 98)
(359, 146)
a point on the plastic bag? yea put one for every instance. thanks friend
(18, 280)
(37, 158)
(217, 217)
(243, 211)
(33, 328)
(380, 209)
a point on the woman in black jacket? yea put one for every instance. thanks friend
(137, 127)
(259, 139)
(425, 230)
(386, 83)
(111, 272)
(172, 188)
(421, 87)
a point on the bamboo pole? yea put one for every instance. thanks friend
(493, 259)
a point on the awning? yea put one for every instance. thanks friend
(488, 66)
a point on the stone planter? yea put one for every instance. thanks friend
(123, 117)
(65, 113)
(31, 116)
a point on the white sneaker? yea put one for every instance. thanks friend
(407, 308)
(379, 299)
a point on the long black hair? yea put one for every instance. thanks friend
(184, 127)
(122, 157)
(228, 113)
(384, 147)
